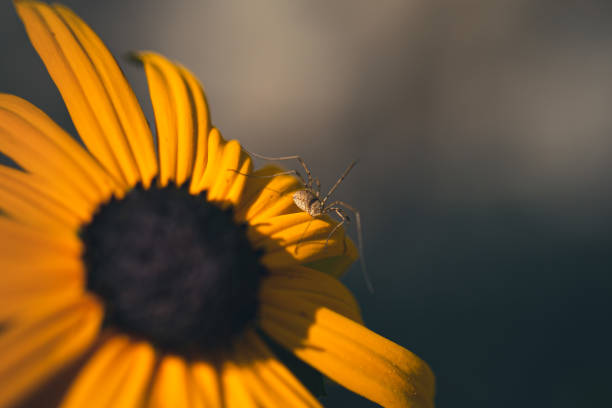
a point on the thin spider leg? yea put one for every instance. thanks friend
(346, 172)
(318, 185)
(294, 172)
(298, 158)
(344, 220)
(366, 277)
(301, 240)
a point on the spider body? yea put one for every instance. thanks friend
(308, 201)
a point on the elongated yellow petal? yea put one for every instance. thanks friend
(171, 388)
(231, 161)
(126, 106)
(302, 291)
(176, 118)
(268, 381)
(47, 192)
(98, 367)
(165, 124)
(253, 188)
(31, 294)
(116, 376)
(40, 272)
(206, 384)
(90, 83)
(29, 188)
(353, 356)
(132, 389)
(304, 252)
(280, 223)
(41, 147)
(337, 265)
(290, 229)
(28, 259)
(235, 392)
(20, 208)
(203, 125)
(266, 195)
(24, 202)
(234, 194)
(38, 282)
(15, 308)
(215, 153)
(18, 240)
(33, 351)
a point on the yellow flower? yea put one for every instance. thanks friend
(172, 274)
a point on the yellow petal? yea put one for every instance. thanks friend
(18, 241)
(304, 252)
(232, 159)
(122, 98)
(337, 265)
(268, 381)
(117, 376)
(171, 388)
(96, 369)
(265, 197)
(174, 96)
(302, 291)
(66, 208)
(97, 96)
(133, 386)
(34, 350)
(41, 147)
(206, 384)
(234, 193)
(353, 356)
(40, 272)
(280, 223)
(235, 392)
(289, 229)
(37, 293)
(214, 152)
(23, 201)
(27, 260)
(202, 122)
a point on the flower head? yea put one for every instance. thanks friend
(170, 269)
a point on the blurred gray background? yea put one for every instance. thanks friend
(484, 134)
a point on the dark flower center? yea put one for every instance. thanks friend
(173, 269)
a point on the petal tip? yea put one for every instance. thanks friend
(133, 57)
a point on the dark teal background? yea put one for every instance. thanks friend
(484, 134)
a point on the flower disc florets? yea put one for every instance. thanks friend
(172, 268)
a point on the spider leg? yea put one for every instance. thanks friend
(359, 239)
(301, 240)
(318, 186)
(283, 173)
(343, 220)
(298, 158)
(331, 190)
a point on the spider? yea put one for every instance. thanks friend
(310, 200)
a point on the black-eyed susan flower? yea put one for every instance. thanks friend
(165, 273)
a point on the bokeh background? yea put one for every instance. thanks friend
(483, 130)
